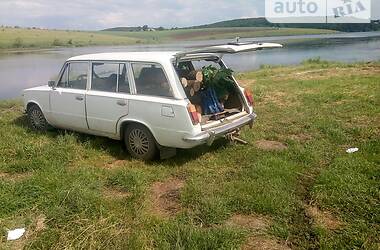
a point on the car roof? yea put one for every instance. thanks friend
(164, 56)
(127, 56)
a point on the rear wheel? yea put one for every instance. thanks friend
(36, 118)
(140, 142)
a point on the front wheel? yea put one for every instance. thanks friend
(140, 142)
(37, 119)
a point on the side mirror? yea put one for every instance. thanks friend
(51, 84)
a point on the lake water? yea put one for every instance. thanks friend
(24, 70)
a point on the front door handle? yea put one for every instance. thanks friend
(79, 98)
(121, 103)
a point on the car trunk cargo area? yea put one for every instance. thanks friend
(211, 88)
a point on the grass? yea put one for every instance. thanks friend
(218, 33)
(317, 109)
(12, 38)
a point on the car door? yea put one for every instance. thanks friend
(107, 98)
(67, 99)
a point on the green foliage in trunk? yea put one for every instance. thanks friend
(219, 79)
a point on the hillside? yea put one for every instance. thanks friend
(123, 29)
(262, 22)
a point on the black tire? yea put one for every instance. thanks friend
(36, 118)
(140, 142)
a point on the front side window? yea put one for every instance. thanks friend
(74, 76)
(110, 77)
(151, 80)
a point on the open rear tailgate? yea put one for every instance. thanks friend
(231, 48)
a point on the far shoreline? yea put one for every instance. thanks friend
(19, 41)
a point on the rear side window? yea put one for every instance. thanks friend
(110, 77)
(151, 80)
(74, 76)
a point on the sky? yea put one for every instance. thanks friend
(96, 15)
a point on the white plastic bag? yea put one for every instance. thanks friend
(15, 234)
(352, 150)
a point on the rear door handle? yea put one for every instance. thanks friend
(121, 103)
(79, 98)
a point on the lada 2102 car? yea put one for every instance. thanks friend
(151, 100)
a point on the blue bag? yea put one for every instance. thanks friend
(210, 103)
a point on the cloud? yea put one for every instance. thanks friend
(87, 14)
(94, 15)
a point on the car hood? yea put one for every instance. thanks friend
(39, 88)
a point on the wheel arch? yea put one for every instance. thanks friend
(125, 123)
(30, 104)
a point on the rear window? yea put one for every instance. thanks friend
(151, 80)
(184, 68)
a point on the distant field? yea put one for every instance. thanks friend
(11, 38)
(216, 33)
(33, 38)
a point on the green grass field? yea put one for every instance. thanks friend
(34, 39)
(18, 39)
(293, 186)
(217, 33)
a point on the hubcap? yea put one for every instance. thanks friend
(138, 142)
(37, 119)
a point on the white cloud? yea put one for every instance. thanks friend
(93, 15)
(87, 14)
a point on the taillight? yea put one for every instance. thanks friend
(193, 114)
(249, 97)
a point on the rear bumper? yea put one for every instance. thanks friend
(210, 135)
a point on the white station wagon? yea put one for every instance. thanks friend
(142, 99)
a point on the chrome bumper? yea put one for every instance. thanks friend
(210, 135)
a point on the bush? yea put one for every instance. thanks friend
(57, 42)
(17, 43)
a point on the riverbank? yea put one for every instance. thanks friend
(293, 186)
(31, 39)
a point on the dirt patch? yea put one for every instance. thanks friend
(112, 193)
(165, 197)
(270, 145)
(251, 222)
(14, 177)
(300, 137)
(258, 224)
(40, 223)
(323, 218)
(246, 82)
(264, 243)
(115, 164)
(277, 98)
